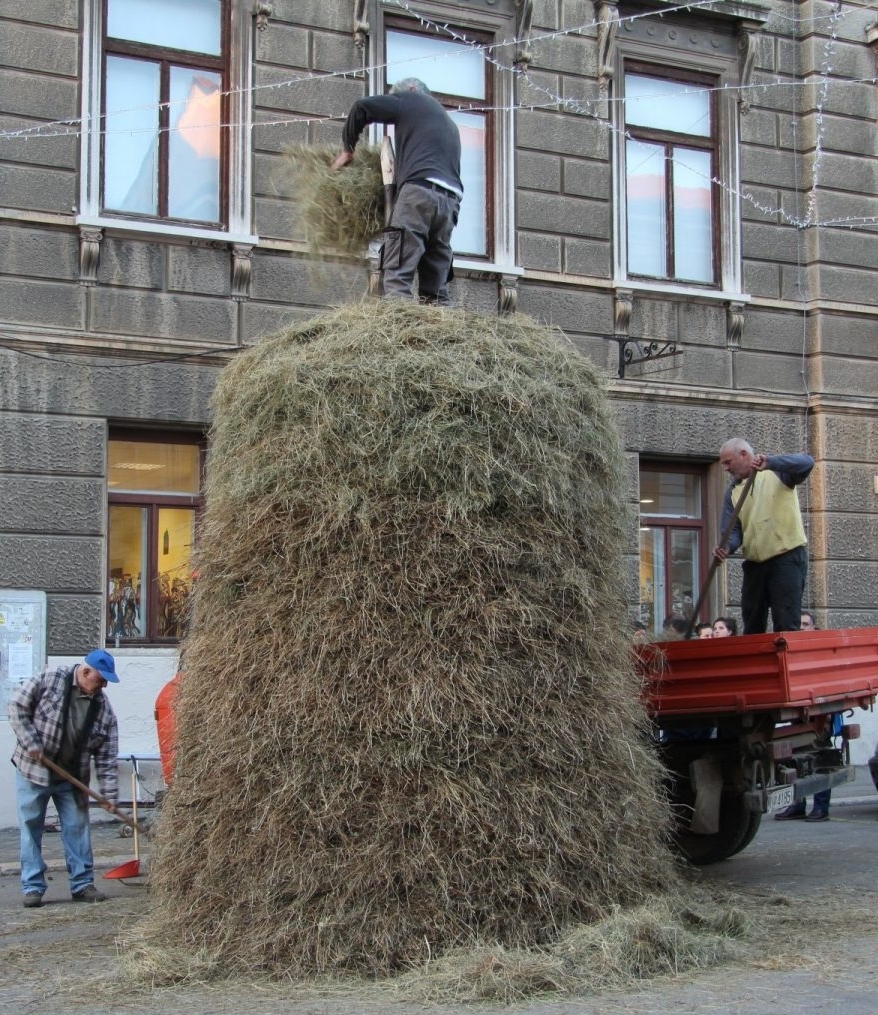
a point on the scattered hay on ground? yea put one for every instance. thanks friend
(341, 211)
(409, 721)
(668, 934)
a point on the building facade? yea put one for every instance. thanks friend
(690, 193)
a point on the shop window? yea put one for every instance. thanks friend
(154, 490)
(672, 544)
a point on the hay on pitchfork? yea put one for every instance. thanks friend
(409, 721)
(341, 210)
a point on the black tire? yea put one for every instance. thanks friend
(737, 827)
(750, 834)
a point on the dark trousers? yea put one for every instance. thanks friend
(776, 585)
(423, 220)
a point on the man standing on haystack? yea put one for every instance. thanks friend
(769, 531)
(428, 187)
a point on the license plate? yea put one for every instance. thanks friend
(781, 797)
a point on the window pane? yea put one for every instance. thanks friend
(194, 171)
(193, 25)
(469, 236)
(145, 467)
(693, 246)
(647, 208)
(176, 536)
(684, 571)
(450, 67)
(652, 578)
(667, 105)
(131, 142)
(126, 555)
(671, 494)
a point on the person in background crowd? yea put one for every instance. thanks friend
(62, 714)
(820, 806)
(725, 627)
(703, 630)
(675, 627)
(770, 532)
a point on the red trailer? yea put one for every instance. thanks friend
(744, 725)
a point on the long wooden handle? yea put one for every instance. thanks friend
(714, 564)
(102, 800)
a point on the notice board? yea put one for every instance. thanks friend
(22, 639)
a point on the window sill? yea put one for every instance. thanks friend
(474, 267)
(681, 289)
(169, 231)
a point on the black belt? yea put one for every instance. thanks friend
(430, 185)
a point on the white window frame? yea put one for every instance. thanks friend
(502, 242)
(727, 213)
(238, 230)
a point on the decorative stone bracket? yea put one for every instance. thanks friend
(242, 267)
(523, 23)
(734, 324)
(89, 254)
(623, 304)
(748, 43)
(507, 301)
(608, 22)
(262, 12)
(361, 23)
(872, 39)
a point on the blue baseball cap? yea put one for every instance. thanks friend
(101, 660)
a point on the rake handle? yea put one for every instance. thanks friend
(102, 800)
(714, 563)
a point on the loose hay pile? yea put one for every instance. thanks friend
(340, 210)
(409, 722)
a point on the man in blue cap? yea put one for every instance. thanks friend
(62, 714)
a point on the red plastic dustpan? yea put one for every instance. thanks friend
(130, 869)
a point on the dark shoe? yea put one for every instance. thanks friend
(794, 812)
(32, 900)
(817, 815)
(89, 894)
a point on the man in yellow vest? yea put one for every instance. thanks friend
(770, 533)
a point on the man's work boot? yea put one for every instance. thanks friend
(794, 812)
(89, 894)
(818, 814)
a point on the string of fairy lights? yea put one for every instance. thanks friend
(498, 55)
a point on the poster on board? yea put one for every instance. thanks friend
(22, 639)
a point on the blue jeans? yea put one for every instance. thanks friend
(75, 833)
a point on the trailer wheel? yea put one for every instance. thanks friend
(738, 826)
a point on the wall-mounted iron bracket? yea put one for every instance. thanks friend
(640, 350)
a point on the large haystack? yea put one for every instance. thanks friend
(409, 721)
